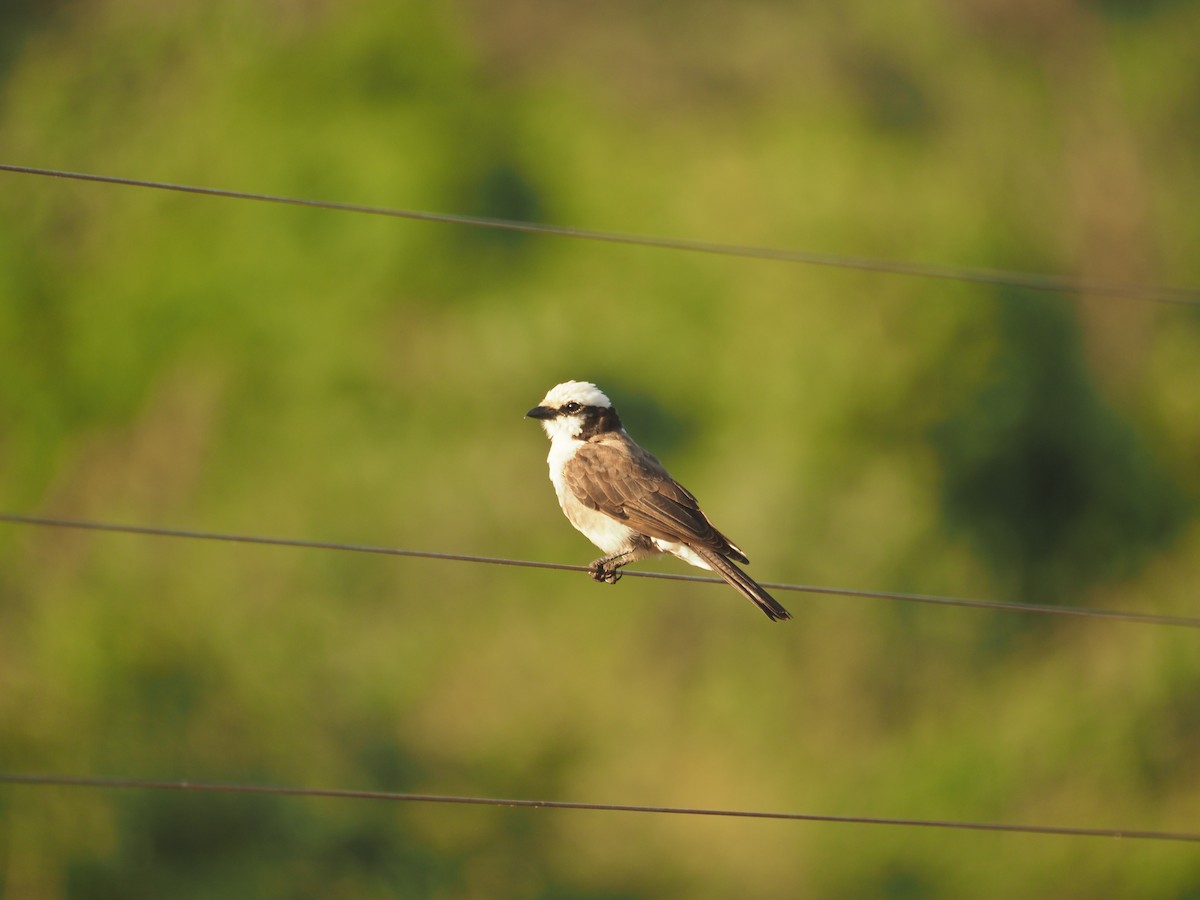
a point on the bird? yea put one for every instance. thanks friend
(622, 499)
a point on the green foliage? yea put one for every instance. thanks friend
(274, 370)
(1053, 485)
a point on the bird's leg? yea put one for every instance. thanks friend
(606, 568)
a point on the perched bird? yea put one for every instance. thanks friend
(622, 499)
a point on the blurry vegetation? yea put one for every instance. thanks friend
(1057, 491)
(232, 366)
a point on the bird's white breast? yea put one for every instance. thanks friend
(603, 530)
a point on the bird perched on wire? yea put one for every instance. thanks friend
(622, 499)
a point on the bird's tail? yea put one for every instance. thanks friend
(747, 586)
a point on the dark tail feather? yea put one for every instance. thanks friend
(747, 586)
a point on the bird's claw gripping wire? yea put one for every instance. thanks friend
(602, 572)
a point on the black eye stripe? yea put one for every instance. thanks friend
(571, 407)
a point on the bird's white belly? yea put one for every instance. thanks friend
(607, 533)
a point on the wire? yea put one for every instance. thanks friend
(1114, 615)
(81, 781)
(1028, 280)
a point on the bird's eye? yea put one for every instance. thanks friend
(571, 407)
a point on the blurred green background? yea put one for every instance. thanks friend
(200, 363)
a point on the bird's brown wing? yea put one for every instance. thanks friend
(620, 479)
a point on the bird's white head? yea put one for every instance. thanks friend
(575, 410)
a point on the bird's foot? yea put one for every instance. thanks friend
(600, 571)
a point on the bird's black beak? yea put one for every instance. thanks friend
(541, 412)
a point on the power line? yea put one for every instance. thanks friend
(87, 781)
(1003, 606)
(1028, 280)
